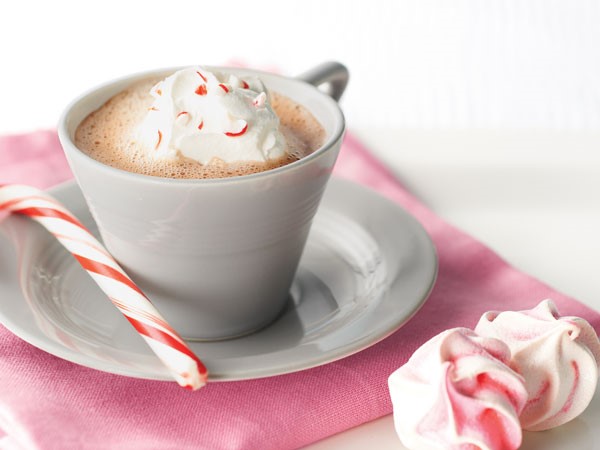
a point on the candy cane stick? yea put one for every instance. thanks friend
(185, 367)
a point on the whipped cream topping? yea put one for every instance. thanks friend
(557, 356)
(209, 116)
(457, 390)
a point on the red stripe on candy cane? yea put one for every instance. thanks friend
(160, 336)
(107, 271)
(129, 311)
(99, 249)
(48, 212)
(11, 203)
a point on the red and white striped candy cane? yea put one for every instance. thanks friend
(172, 350)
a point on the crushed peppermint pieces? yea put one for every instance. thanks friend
(238, 133)
(201, 90)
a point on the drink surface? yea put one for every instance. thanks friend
(109, 136)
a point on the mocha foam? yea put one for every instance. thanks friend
(108, 135)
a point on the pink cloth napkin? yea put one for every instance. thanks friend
(48, 403)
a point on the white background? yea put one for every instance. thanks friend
(488, 110)
(450, 64)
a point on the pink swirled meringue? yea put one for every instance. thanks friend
(557, 356)
(456, 392)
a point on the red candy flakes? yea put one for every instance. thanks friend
(182, 113)
(202, 76)
(225, 88)
(239, 133)
(201, 125)
(245, 85)
(201, 90)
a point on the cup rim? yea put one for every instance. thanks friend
(66, 140)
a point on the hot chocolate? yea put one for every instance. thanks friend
(112, 134)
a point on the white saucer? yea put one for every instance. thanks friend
(367, 268)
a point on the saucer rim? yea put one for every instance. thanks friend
(320, 358)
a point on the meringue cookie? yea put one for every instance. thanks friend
(557, 356)
(456, 390)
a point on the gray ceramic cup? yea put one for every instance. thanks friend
(217, 257)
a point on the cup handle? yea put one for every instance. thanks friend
(332, 76)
